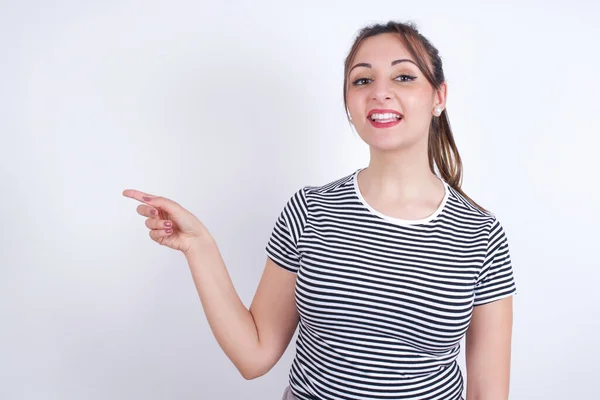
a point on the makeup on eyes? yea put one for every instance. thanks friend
(404, 77)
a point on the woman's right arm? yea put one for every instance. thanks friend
(254, 339)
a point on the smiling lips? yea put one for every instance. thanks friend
(384, 118)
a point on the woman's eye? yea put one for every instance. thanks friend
(408, 78)
(399, 78)
(360, 81)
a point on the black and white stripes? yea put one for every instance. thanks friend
(384, 302)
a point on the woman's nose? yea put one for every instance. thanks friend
(382, 91)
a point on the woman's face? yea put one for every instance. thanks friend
(384, 83)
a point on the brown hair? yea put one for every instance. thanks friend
(441, 148)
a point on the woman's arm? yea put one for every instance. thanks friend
(254, 340)
(488, 347)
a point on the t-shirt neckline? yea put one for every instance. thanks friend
(399, 221)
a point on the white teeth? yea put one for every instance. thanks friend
(386, 116)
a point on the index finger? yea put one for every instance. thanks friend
(137, 195)
(155, 201)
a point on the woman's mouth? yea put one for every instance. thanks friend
(384, 119)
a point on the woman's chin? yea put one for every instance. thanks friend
(390, 143)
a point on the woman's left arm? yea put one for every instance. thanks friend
(488, 347)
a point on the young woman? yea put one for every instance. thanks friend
(386, 269)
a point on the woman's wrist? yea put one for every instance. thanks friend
(199, 246)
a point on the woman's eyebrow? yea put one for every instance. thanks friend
(367, 65)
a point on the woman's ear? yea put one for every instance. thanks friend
(441, 96)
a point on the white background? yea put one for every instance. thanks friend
(229, 108)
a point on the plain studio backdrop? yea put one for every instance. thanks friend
(228, 108)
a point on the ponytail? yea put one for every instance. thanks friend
(443, 153)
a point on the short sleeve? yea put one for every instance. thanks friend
(282, 246)
(495, 280)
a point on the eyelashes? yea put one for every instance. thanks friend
(364, 81)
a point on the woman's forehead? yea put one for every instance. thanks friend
(382, 47)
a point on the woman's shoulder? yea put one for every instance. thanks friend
(331, 185)
(461, 206)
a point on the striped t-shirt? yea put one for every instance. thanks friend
(385, 302)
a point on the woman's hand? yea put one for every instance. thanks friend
(170, 224)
